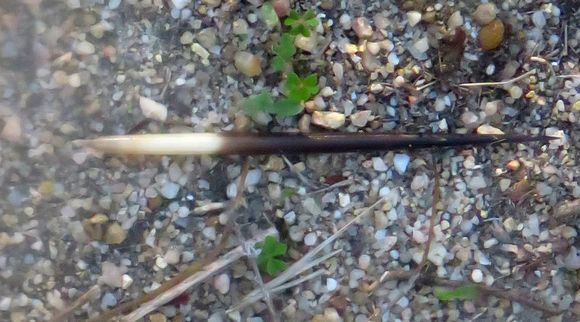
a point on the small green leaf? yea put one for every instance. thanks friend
(278, 63)
(269, 15)
(465, 292)
(267, 261)
(285, 47)
(275, 266)
(301, 89)
(301, 25)
(288, 192)
(288, 107)
(258, 103)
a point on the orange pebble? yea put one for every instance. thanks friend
(513, 165)
(491, 35)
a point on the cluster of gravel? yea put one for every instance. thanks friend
(84, 68)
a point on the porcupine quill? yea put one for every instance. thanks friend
(260, 144)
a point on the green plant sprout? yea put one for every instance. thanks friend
(262, 102)
(284, 51)
(267, 261)
(301, 25)
(299, 89)
(269, 15)
(465, 292)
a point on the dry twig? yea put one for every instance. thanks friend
(505, 82)
(89, 295)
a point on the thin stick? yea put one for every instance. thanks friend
(85, 298)
(505, 82)
(569, 76)
(339, 184)
(213, 206)
(194, 279)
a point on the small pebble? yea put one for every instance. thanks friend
(476, 183)
(379, 165)
(477, 276)
(515, 92)
(414, 17)
(362, 28)
(222, 283)
(331, 284)
(85, 48)
(108, 300)
(539, 19)
(248, 64)
(421, 45)
(115, 234)
(364, 261)
(360, 119)
(169, 190)
(329, 120)
(455, 20)
(401, 161)
(484, 14)
(488, 129)
(180, 4)
(310, 239)
(153, 110)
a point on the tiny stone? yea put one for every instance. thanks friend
(6, 301)
(180, 4)
(331, 284)
(543, 189)
(379, 165)
(401, 161)
(209, 233)
(488, 129)
(477, 183)
(393, 58)
(310, 239)
(364, 261)
(157, 317)
(515, 92)
(169, 190)
(152, 109)
(360, 119)
(311, 206)
(222, 283)
(248, 64)
(186, 38)
(539, 19)
(414, 18)
(421, 45)
(240, 27)
(504, 184)
(484, 14)
(115, 234)
(362, 28)
(172, 256)
(477, 276)
(455, 20)
(108, 300)
(419, 182)
(85, 48)
(329, 120)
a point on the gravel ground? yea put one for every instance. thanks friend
(73, 69)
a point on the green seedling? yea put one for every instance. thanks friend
(301, 25)
(284, 51)
(465, 292)
(269, 15)
(255, 104)
(267, 260)
(299, 89)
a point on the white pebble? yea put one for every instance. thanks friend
(455, 20)
(437, 254)
(209, 233)
(393, 58)
(379, 164)
(331, 284)
(311, 206)
(310, 239)
(401, 161)
(477, 275)
(364, 261)
(539, 19)
(343, 199)
(6, 301)
(253, 177)
(421, 45)
(85, 48)
(403, 302)
(345, 21)
(152, 109)
(414, 17)
(169, 190)
(108, 300)
(222, 283)
(180, 4)
(477, 183)
(515, 92)
(290, 218)
(419, 182)
(112, 274)
(172, 256)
